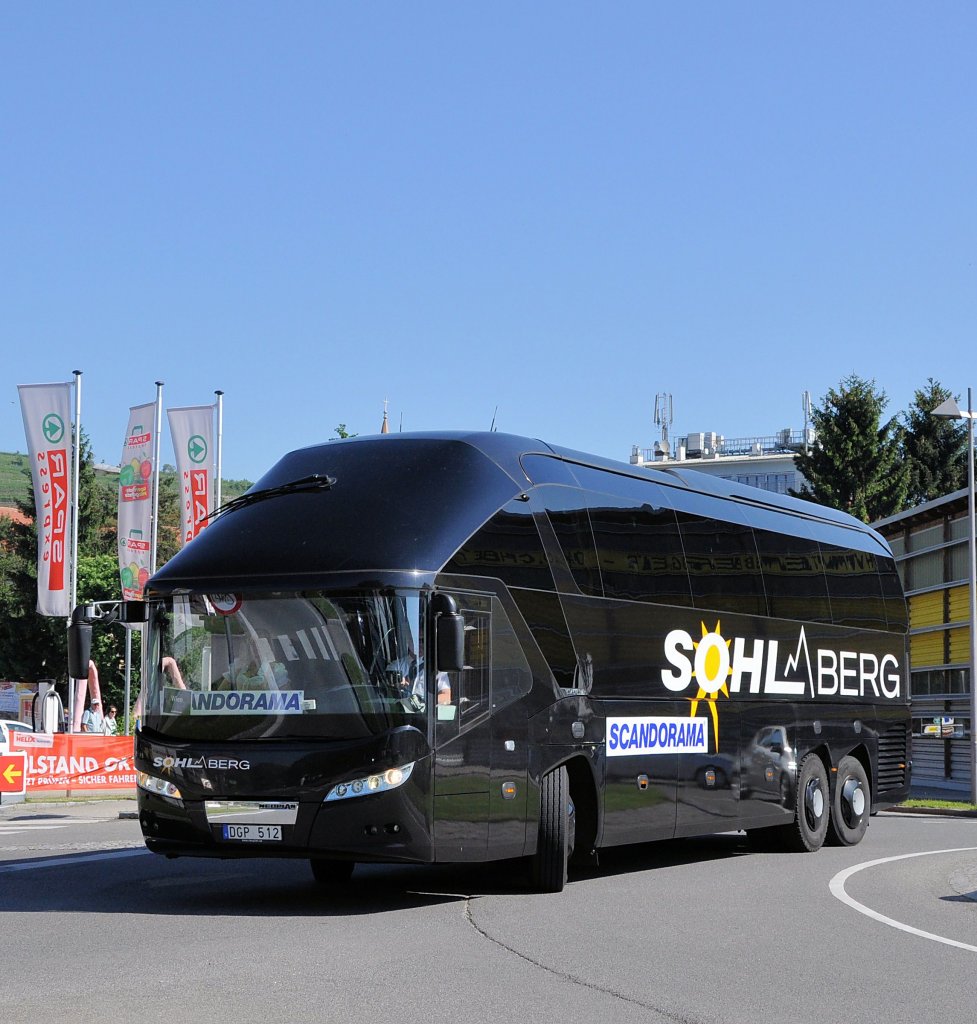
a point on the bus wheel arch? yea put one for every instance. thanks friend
(583, 795)
(851, 802)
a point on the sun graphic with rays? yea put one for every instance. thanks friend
(712, 667)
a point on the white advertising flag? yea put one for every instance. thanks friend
(136, 481)
(47, 422)
(192, 430)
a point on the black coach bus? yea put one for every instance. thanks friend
(469, 647)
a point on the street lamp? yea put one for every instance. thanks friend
(949, 410)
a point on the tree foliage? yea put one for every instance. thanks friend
(33, 646)
(857, 463)
(936, 449)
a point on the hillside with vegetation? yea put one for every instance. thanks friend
(15, 480)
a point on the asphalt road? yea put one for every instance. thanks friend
(706, 930)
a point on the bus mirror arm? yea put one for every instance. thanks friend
(80, 629)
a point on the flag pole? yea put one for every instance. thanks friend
(220, 448)
(154, 531)
(75, 483)
(76, 477)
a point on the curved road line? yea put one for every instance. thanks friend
(837, 886)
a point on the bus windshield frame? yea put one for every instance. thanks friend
(285, 665)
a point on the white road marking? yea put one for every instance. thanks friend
(60, 862)
(837, 886)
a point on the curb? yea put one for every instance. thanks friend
(941, 812)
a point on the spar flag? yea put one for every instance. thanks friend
(137, 480)
(192, 430)
(46, 409)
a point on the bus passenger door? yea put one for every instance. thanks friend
(462, 740)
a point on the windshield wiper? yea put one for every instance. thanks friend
(315, 482)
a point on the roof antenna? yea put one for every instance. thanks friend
(664, 415)
(494, 414)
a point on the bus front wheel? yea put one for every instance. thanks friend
(851, 804)
(555, 832)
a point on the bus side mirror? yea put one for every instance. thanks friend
(450, 635)
(79, 646)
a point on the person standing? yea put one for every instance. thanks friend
(92, 721)
(110, 727)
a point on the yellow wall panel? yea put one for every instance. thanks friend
(959, 645)
(959, 604)
(926, 609)
(926, 649)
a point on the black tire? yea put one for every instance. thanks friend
(333, 873)
(812, 808)
(851, 804)
(554, 844)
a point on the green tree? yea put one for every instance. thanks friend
(169, 520)
(98, 580)
(97, 519)
(341, 432)
(936, 449)
(857, 462)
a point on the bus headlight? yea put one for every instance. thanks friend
(379, 782)
(160, 787)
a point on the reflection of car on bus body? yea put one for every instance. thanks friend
(770, 765)
(614, 642)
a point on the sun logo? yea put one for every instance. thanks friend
(711, 669)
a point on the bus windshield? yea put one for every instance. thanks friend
(284, 665)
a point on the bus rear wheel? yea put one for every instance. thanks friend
(331, 872)
(851, 804)
(812, 811)
(554, 844)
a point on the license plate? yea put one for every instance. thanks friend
(252, 833)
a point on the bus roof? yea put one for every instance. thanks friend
(405, 503)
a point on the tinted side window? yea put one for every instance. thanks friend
(793, 577)
(511, 675)
(640, 552)
(508, 548)
(854, 587)
(566, 509)
(723, 566)
(896, 613)
(544, 617)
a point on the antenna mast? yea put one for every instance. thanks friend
(806, 407)
(664, 415)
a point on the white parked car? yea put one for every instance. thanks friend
(6, 728)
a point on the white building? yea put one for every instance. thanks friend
(764, 462)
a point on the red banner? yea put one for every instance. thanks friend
(64, 761)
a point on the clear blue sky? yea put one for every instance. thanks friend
(556, 209)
